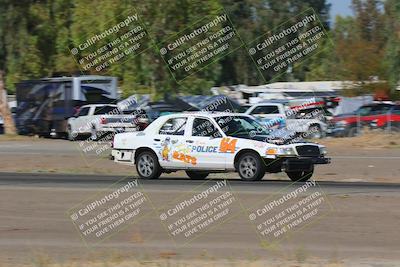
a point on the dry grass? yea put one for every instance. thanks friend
(184, 263)
(367, 140)
(16, 137)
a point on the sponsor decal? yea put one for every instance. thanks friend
(258, 144)
(184, 157)
(182, 148)
(208, 149)
(227, 144)
(166, 149)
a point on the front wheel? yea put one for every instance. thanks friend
(251, 167)
(197, 175)
(300, 176)
(147, 165)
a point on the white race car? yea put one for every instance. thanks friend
(203, 143)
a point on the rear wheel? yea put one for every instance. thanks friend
(353, 132)
(300, 176)
(147, 165)
(93, 134)
(196, 175)
(70, 134)
(251, 167)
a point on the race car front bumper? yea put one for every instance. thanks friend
(302, 163)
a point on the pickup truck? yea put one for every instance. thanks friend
(99, 119)
(303, 120)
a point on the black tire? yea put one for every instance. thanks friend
(197, 175)
(93, 134)
(250, 167)
(147, 165)
(70, 135)
(300, 176)
(353, 132)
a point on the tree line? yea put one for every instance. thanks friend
(36, 37)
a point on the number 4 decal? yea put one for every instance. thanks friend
(227, 144)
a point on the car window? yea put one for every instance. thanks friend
(243, 109)
(174, 126)
(238, 126)
(83, 111)
(396, 110)
(204, 127)
(265, 110)
(364, 111)
(101, 110)
(379, 110)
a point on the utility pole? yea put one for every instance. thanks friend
(9, 126)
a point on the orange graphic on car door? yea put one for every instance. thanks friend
(227, 144)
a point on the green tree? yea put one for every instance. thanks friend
(392, 49)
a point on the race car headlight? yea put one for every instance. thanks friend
(288, 151)
(285, 151)
(323, 150)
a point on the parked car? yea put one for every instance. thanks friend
(389, 121)
(99, 119)
(378, 115)
(301, 120)
(153, 110)
(203, 143)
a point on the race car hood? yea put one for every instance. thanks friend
(278, 138)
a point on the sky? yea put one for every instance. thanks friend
(340, 7)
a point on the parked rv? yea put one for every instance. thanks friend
(44, 105)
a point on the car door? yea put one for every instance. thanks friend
(204, 142)
(170, 144)
(373, 114)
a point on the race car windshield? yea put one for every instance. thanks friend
(238, 126)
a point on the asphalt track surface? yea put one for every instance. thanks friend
(361, 222)
(179, 183)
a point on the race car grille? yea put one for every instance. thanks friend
(308, 151)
